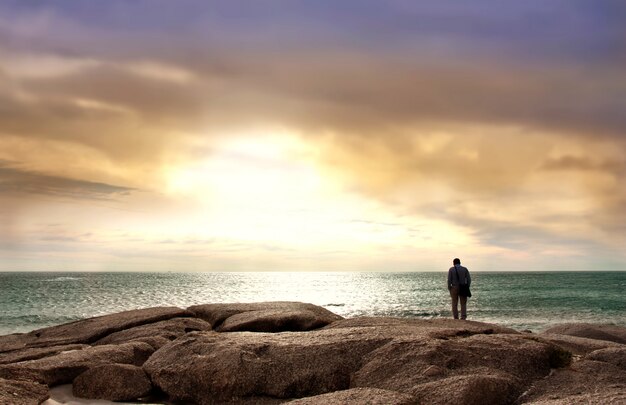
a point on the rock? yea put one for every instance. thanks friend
(580, 382)
(16, 392)
(64, 367)
(272, 321)
(408, 362)
(36, 353)
(611, 333)
(595, 398)
(475, 389)
(613, 355)
(91, 329)
(264, 316)
(437, 328)
(156, 342)
(576, 345)
(14, 341)
(241, 364)
(358, 396)
(169, 330)
(115, 382)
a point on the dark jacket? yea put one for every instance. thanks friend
(463, 273)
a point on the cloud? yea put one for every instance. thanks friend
(14, 180)
(491, 116)
(583, 164)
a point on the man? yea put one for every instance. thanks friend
(458, 275)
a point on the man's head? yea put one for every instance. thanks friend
(456, 261)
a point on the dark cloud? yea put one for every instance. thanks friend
(357, 66)
(583, 164)
(14, 180)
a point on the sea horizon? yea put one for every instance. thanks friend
(530, 300)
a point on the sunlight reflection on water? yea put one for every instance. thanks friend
(521, 300)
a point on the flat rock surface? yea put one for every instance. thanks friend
(264, 316)
(576, 345)
(115, 382)
(64, 367)
(358, 396)
(425, 366)
(583, 379)
(22, 392)
(612, 355)
(435, 328)
(611, 333)
(89, 330)
(168, 330)
(36, 353)
(239, 364)
(14, 341)
(474, 389)
(596, 398)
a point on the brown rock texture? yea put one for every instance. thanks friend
(36, 353)
(305, 354)
(610, 333)
(64, 367)
(474, 389)
(240, 364)
(585, 381)
(354, 396)
(425, 366)
(169, 330)
(612, 355)
(436, 328)
(574, 344)
(114, 382)
(264, 316)
(89, 330)
(17, 392)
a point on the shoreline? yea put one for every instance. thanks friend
(277, 352)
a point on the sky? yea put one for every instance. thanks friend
(154, 135)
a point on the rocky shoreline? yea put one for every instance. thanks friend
(302, 354)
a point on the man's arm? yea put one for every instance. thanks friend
(449, 278)
(469, 279)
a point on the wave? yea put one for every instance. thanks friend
(64, 278)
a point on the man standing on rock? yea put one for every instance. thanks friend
(458, 276)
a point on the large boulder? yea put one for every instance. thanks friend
(64, 367)
(89, 330)
(223, 366)
(358, 396)
(408, 364)
(36, 353)
(17, 392)
(574, 344)
(473, 389)
(613, 355)
(151, 333)
(115, 382)
(579, 383)
(264, 316)
(611, 333)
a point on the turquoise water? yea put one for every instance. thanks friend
(531, 300)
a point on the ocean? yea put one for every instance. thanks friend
(528, 300)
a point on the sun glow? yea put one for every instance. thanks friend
(270, 190)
